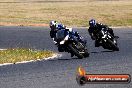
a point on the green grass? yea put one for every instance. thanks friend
(129, 21)
(19, 54)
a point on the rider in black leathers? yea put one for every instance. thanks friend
(95, 28)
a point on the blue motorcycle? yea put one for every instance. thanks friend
(70, 43)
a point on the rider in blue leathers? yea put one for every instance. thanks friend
(55, 26)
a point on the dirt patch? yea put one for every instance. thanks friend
(71, 13)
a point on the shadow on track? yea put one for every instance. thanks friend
(70, 58)
(103, 51)
(66, 59)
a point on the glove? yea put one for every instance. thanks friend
(93, 37)
(54, 41)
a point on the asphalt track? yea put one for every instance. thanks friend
(61, 72)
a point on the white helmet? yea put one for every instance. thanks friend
(53, 24)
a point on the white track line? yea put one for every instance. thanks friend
(3, 49)
(54, 56)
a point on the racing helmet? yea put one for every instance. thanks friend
(92, 23)
(53, 24)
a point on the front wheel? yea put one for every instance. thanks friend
(86, 54)
(83, 49)
(114, 47)
(75, 51)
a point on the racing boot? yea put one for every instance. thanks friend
(97, 43)
(72, 54)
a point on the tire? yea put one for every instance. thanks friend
(113, 46)
(75, 52)
(86, 54)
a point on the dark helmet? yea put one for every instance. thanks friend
(92, 23)
(53, 24)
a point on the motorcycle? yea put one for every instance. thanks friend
(69, 43)
(107, 41)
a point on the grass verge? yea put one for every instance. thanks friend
(19, 55)
(69, 12)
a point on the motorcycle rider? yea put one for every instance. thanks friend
(53, 31)
(55, 26)
(95, 28)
